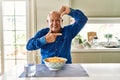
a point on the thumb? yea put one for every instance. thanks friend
(62, 13)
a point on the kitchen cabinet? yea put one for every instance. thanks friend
(98, 8)
(98, 56)
(85, 58)
(110, 57)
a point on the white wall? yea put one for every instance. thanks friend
(92, 8)
(44, 7)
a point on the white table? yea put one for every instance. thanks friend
(107, 71)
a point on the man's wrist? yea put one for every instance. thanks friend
(71, 10)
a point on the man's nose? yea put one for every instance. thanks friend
(54, 22)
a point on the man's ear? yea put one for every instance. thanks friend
(47, 21)
(62, 20)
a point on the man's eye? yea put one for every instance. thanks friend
(55, 20)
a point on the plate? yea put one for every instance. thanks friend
(112, 46)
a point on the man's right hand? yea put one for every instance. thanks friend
(51, 37)
(64, 10)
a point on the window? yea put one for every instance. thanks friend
(14, 32)
(0, 56)
(102, 29)
(103, 26)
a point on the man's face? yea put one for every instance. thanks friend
(54, 22)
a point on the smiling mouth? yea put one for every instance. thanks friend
(54, 26)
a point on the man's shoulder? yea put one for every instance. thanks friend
(44, 30)
(66, 27)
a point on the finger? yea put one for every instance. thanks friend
(57, 34)
(62, 9)
(62, 14)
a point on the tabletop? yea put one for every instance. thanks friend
(96, 71)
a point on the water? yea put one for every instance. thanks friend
(30, 69)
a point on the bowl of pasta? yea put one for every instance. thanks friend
(55, 63)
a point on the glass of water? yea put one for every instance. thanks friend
(30, 69)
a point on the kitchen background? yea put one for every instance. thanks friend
(20, 19)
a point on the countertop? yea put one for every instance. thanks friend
(100, 48)
(76, 50)
(104, 71)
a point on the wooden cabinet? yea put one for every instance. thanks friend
(96, 57)
(110, 57)
(85, 57)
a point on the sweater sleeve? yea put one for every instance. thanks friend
(80, 21)
(37, 41)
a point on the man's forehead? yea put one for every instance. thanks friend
(55, 14)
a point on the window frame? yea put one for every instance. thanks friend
(2, 64)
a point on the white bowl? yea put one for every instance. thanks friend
(55, 65)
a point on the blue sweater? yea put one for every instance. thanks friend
(62, 46)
